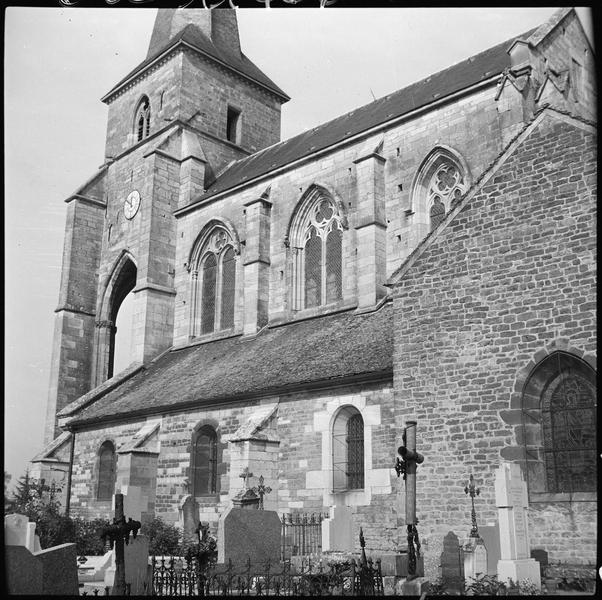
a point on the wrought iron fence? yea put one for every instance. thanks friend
(181, 577)
(301, 534)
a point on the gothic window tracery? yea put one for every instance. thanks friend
(317, 247)
(214, 284)
(441, 180)
(142, 119)
(446, 186)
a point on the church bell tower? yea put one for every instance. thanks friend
(195, 104)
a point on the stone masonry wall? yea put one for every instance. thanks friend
(510, 275)
(470, 125)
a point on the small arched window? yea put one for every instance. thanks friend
(107, 463)
(204, 461)
(214, 283)
(142, 119)
(441, 179)
(348, 450)
(317, 247)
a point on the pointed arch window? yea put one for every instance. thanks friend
(107, 466)
(142, 119)
(214, 284)
(348, 450)
(442, 179)
(317, 248)
(204, 461)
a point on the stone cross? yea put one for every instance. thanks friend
(261, 490)
(245, 477)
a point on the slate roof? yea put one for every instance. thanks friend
(192, 35)
(460, 76)
(324, 350)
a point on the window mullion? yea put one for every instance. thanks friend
(323, 270)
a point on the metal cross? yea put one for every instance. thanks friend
(261, 490)
(245, 477)
(473, 491)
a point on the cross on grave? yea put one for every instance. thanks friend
(406, 464)
(473, 491)
(245, 475)
(261, 490)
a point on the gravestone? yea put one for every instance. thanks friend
(475, 558)
(512, 501)
(337, 530)
(18, 531)
(243, 534)
(190, 521)
(452, 564)
(490, 534)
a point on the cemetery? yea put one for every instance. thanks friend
(255, 551)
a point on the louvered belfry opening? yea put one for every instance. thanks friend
(143, 119)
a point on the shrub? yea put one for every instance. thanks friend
(87, 536)
(163, 538)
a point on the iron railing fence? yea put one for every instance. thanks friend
(301, 534)
(179, 577)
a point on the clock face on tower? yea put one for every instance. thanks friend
(131, 204)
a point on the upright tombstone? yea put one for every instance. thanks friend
(452, 564)
(337, 530)
(248, 534)
(512, 501)
(190, 521)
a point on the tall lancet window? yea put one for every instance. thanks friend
(142, 120)
(213, 276)
(317, 252)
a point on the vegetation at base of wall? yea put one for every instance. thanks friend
(87, 536)
(486, 585)
(163, 538)
(40, 504)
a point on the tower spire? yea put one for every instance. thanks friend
(219, 25)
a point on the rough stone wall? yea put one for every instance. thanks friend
(162, 85)
(470, 125)
(565, 44)
(208, 89)
(84, 477)
(512, 273)
(301, 482)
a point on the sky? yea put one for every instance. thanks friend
(59, 62)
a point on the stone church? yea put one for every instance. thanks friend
(429, 256)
